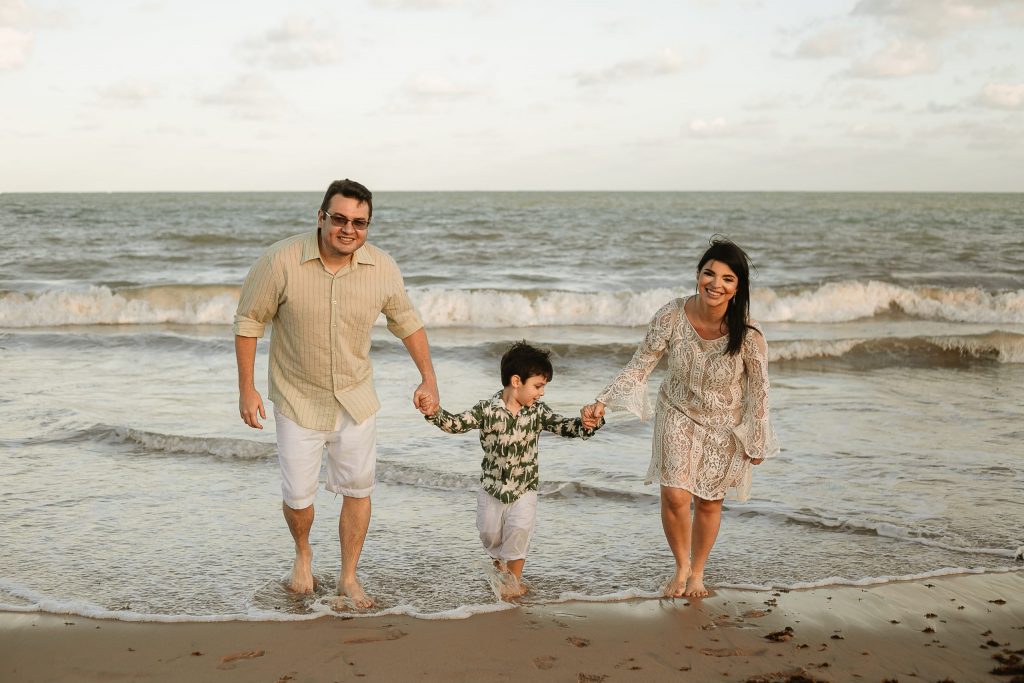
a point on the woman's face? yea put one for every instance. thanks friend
(716, 283)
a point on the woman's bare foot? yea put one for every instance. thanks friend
(352, 589)
(695, 587)
(301, 579)
(677, 584)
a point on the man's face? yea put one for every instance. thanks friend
(339, 237)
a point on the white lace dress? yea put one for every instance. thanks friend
(711, 417)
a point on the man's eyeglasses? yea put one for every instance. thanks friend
(340, 221)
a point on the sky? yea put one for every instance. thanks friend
(690, 95)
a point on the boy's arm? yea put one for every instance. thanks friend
(457, 423)
(570, 427)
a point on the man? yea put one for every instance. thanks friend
(323, 291)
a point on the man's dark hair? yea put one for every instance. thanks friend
(352, 190)
(526, 361)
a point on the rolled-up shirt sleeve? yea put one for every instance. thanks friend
(401, 315)
(258, 300)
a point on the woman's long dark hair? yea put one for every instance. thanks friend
(738, 311)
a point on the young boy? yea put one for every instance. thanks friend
(510, 423)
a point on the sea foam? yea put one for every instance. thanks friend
(828, 303)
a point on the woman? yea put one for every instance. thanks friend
(711, 421)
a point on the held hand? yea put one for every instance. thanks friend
(428, 407)
(591, 414)
(426, 398)
(757, 461)
(250, 407)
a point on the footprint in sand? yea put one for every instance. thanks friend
(376, 637)
(545, 662)
(578, 642)
(226, 660)
(730, 652)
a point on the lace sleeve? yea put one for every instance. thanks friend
(628, 391)
(755, 432)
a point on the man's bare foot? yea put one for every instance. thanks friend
(677, 584)
(301, 579)
(695, 587)
(351, 589)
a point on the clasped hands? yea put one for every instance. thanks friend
(591, 414)
(426, 399)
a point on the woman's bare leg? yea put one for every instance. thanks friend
(675, 519)
(707, 518)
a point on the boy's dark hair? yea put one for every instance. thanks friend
(526, 361)
(350, 189)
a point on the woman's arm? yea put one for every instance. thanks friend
(629, 388)
(756, 433)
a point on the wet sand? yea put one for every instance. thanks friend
(960, 628)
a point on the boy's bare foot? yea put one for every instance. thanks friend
(676, 587)
(512, 588)
(695, 587)
(301, 578)
(351, 589)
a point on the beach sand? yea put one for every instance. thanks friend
(958, 628)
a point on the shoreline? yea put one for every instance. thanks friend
(951, 628)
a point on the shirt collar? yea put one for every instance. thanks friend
(497, 402)
(311, 250)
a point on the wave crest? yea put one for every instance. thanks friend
(215, 305)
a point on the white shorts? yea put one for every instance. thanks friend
(506, 528)
(351, 458)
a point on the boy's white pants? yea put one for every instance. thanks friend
(506, 528)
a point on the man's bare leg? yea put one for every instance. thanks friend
(299, 524)
(352, 526)
(707, 518)
(677, 523)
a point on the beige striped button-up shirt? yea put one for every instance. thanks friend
(320, 344)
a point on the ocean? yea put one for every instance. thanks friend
(132, 489)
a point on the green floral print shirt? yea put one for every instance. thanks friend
(510, 468)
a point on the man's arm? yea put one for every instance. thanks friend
(250, 403)
(426, 395)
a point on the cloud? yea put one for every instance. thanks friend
(926, 19)
(297, 43)
(984, 136)
(828, 42)
(719, 128)
(416, 4)
(15, 48)
(1003, 96)
(434, 87)
(127, 93)
(898, 60)
(13, 12)
(249, 96)
(15, 45)
(870, 131)
(665, 63)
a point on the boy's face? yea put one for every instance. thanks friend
(526, 393)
